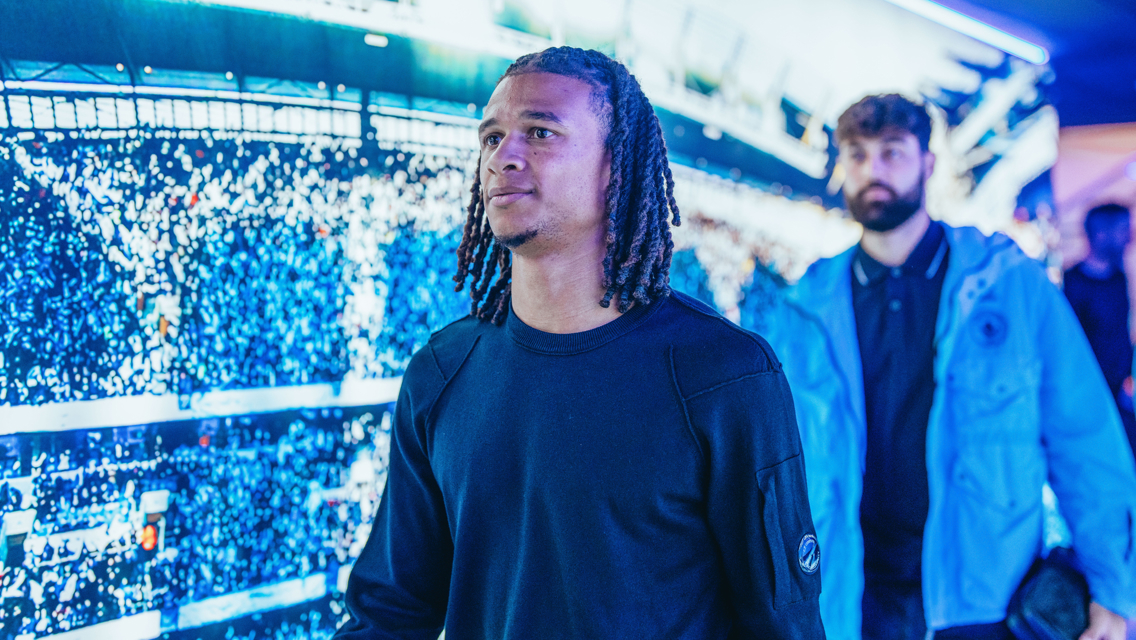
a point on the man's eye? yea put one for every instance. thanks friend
(541, 134)
(492, 140)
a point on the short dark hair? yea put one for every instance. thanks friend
(873, 116)
(639, 198)
(1102, 216)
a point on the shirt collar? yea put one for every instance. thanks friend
(573, 343)
(926, 259)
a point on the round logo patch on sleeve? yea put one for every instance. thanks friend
(808, 554)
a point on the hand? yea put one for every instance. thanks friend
(1103, 625)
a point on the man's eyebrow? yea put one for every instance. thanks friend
(546, 116)
(542, 116)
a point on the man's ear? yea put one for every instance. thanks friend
(928, 165)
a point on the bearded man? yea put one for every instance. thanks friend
(940, 380)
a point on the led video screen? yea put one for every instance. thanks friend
(201, 336)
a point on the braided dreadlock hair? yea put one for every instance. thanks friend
(639, 198)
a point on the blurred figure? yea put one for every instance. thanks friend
(1097, 289)
(940, 379)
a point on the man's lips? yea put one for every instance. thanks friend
(877, 192)
(502, 196)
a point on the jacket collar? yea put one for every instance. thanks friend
(824, 295)
(974, 257)
(925, 260)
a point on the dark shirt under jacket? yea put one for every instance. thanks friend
(1101, 304)
(896, 310)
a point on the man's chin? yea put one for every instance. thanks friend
(883, 219)
(513, 241)
(871, 218)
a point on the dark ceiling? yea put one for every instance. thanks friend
(1092, 49)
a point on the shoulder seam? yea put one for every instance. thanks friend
(732, 381)
(679, 299)
(798, 454)
(450, 324)
(732, 327)
(437, 365)
(685, 410)
(445, 383)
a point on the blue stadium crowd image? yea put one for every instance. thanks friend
(214, 296)
(204, 321)
(226, 226)
(185, 524)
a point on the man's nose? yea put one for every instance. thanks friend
(873, 167)
(509, 155)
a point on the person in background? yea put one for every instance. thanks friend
(588, 454)
(1097, 289)
(940, 380)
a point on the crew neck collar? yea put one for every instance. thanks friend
(573, 343)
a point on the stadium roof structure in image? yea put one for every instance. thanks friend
(399, 48)
(190, 43)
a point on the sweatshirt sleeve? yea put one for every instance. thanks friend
(399, 585)
(758, 504)
(1090, 463)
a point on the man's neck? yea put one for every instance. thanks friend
(558, 294)
(1097, 267)
(893, 247)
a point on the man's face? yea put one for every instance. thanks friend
(884, 179)
(544, 165)
(1110, 241)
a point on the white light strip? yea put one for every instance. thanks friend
(144, 626)
(147, 409)
(376, 40)
(243, 603)
(976, 29)
(83, 87)
(231, 606)
(415, 114)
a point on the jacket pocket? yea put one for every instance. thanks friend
(789, 530)
(995, 401)
(999, 460)
(1006, 475)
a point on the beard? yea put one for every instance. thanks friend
(516, 240)
(885, 215)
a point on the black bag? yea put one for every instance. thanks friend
(1052, 602)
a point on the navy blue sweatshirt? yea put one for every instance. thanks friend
(640, 480)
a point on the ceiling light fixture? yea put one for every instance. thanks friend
(976, 29)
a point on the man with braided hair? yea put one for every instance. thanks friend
(589, 454)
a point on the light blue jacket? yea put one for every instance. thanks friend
(1018, 400)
